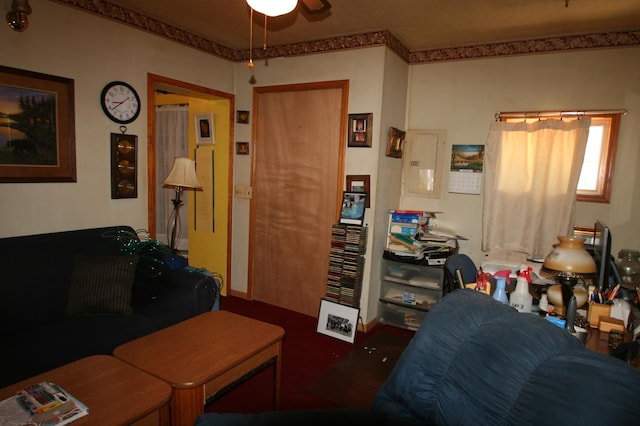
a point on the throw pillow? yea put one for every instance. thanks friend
(101, 285)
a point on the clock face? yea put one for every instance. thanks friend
(120, 102)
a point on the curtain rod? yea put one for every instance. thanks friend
(542, 114)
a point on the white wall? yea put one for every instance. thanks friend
(93, 51)
(463, 97)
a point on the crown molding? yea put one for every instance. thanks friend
(378, 38)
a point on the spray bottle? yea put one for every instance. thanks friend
(521, 299)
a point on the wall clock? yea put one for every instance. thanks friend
(120, 102)
(124, 173)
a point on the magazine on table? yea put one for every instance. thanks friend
(42, 404)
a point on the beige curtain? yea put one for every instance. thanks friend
(530, 180)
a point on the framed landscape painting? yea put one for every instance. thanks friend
(37, 127)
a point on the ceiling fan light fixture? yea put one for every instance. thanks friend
(273, 7)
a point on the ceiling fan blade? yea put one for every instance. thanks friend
(316, 6)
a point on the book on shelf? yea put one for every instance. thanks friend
(44, 403)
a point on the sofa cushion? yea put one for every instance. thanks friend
(101, 285)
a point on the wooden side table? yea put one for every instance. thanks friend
(204, 355)
(115, 392)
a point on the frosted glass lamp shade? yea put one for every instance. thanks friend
(183, 174)
(273, 7)
(569, 258)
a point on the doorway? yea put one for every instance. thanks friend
(299, 146)
(209, 210)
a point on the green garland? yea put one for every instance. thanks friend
(150, 252)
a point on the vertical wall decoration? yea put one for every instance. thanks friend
(124, 170)
(204, 220)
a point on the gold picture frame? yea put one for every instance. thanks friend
(395, 142)
(37, 139)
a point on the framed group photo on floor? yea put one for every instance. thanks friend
(339, 321)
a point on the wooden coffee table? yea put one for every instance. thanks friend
(115, 392)
(201, 356)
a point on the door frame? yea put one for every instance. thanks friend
(158, 82)
(257, 91)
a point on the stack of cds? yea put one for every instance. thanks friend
(346, 263)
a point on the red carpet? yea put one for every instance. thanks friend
(306, 355)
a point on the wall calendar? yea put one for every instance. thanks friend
(465, 175)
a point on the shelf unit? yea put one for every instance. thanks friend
(408, 291)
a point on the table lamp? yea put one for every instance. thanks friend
(568, 262)
(182, 175)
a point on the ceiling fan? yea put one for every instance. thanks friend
(282, 7)
(316, 6)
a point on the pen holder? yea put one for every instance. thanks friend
(597, 310)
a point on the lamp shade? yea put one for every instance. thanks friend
(183, 174)
(273, 7)
(569, 258)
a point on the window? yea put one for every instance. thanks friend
(596, 178)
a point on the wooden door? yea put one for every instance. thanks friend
(299, 137)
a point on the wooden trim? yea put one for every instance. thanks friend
(152, 81)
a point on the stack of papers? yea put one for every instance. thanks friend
(412, 234)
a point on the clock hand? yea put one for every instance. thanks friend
(117, 104)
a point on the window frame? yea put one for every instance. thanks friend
(602, 194)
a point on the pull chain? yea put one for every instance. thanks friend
(250, 64)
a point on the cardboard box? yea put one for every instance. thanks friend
(597, 310)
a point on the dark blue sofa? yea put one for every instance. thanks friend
(475, 361)
(43, 275)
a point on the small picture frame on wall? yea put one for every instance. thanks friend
(395, 142)
(242, 148)
(242, 117)
(205, 129)
(339, 321)
(360, 128)
(359, 183)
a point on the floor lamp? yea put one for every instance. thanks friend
(182, 175)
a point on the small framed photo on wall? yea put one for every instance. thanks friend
(242, 148)
(360, 127)
(242, 117)
(359, 183)
(205, 129)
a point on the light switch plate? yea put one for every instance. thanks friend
(243, 191)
